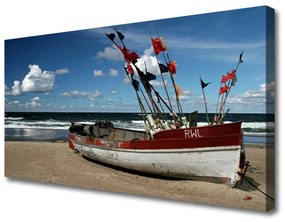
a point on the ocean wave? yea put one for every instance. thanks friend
(37, 124)
(20, 122)
(13, 118)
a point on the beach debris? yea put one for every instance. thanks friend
(247, 197)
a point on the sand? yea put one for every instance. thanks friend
(55, 163)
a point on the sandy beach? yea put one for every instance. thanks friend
(55, 163)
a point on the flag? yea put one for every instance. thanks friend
(224, 89)
(240, 58)
(130, 69)
(111, 36)
(133, 57)
(158, 45)
(135, 84)
(121, 36)
(129, 57)
(178, 90)
(172, 66)
(224, 79)
(203, 84)
(231, 75)
(150, 76)
(163, 68)
(234, 81)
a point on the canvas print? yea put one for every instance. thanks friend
(179, 108)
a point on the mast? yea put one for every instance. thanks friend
(203, 85)
(160, 47)
(228, 86)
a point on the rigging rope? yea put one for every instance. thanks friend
(271, 198)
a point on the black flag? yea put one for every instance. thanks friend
(111, 36)
(121, 36)
(240, 58)
(135, 84)
(203, 84)
(150, 76)
(163, 68)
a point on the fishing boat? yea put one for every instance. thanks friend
(169, 145)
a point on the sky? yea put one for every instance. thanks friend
(82, 71)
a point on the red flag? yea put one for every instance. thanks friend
(158, 45)
(231, 75)
(178, 90)
(130, 69)
(224, 79)
(133, 56)
(224, 89)
(172, 66)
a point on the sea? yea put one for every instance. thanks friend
(53, 126)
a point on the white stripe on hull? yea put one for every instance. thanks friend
(212, 162)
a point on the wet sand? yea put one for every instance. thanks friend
(55, 163)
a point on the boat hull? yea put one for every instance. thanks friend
(209, 157)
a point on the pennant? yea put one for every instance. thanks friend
(172, 67)
(150, 76)
(130, 69)
(133, 57)
(158, 45)
(224, 79)
(203, 84)
(240, 58)
(121, 36)
(135, 84)
(163, 68)
(231, 75)
(129, 57)
(224, 89)
(111, 36)
(178, 90)
(234, 81)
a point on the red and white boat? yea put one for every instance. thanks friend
(211, 153)
(166, 147)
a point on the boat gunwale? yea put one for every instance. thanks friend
(183, 150)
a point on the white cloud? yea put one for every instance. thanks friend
(113, 72)
(16, 89)
(34, 103)
(126, 80)
(16, 102)
(35, 81)
(77, 93)
(110, 53)
(62, 71)
(98, 73)
(255, 99)
(148, 63)
(35, 98)
(114, 92)
(158, 84)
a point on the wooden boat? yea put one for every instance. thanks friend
(211, 153)
(174, 148)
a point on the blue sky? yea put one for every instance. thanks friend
(82, 71)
